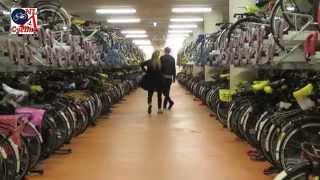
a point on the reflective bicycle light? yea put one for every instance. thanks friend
(6, 12)
(186, 19)
(126, 20)
(182, 26)
(191, 10)
(290, 8)
(116, 11)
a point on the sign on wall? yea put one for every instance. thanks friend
(24, 21)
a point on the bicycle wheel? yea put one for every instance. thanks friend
(51, 15)
(264, 141)
(279, 24)
(250, 125)
(84, 113)
(24, 155)
(66, 117)
(222, 112)
(3, 167)
(235, 119)
(50, 136)
(241, 24)
(63, 129)
(289, 15)
(290, 151)
(33, 144)
(300, 171)
(291, 8)
(10, 162)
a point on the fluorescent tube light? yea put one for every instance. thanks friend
(182, 26)
(180, 31)
(116, 11)
(136, 36)
(127, 20)
(141, 42)
(177, 35)
(191, 10)
(186, 19)
(155, 24)
(133, 32)
(146, 47)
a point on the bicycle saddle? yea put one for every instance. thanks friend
(9, 127)
(11, 91)
(36, 114)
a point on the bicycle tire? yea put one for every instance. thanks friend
(239, 22)
(11, 157)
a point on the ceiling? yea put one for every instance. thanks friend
(148, 11)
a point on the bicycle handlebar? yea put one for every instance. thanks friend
(243, 14)
(278, 83)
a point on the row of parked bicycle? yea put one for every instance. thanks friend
(61, 42)
(41, 113)
(278, 115)
(265, 31)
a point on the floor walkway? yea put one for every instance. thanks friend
(185, 144)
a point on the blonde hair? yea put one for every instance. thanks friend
(155, 60)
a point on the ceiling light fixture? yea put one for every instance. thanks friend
(155, 24)
(186, 19)
(191, 10)
(136, 36)
(126, 20)
(180, 31)
(177, 35)
(133, 32)
(146, 47)
(141, 42)
(116, 11)
(182, 26)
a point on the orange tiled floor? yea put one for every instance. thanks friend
(185, 144)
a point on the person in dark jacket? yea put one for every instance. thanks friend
(168, 70)
(153, 80)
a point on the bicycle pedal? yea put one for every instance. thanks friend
(36, 172)
(63, 151)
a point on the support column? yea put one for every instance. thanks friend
(238, 6)
(210, 20)
(239, 74)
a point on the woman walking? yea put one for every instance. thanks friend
(152, 81)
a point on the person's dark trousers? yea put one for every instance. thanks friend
(150, 95)
(166, 91)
